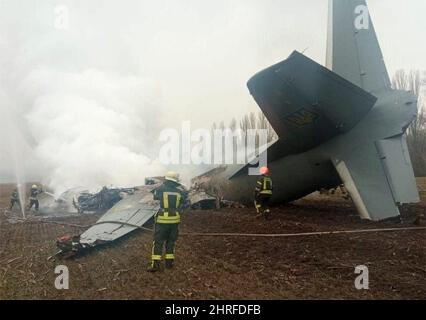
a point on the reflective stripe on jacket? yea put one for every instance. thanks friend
(264, 186)
(171, 198)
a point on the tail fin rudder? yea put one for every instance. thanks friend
(353, 50)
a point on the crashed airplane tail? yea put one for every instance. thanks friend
(348, 116)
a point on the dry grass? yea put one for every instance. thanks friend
(225, 268)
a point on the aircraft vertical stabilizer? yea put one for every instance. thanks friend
(353, 50)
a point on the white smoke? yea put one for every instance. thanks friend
(93, 128)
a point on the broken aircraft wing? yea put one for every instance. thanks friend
(124, 217)
(201, 200)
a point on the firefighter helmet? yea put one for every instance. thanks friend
(34, 186)
(172, 176)
(264, 170)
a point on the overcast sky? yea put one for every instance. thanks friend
(194, 56)
(201, 53)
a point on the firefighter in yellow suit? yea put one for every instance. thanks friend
(172, 196)
(263, 193)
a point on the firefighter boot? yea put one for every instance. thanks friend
(169, 263)
(257, 207)
(266, 214)
(260, 211)
(155, 266)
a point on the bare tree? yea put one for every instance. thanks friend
(416, 133)
(245, 124)
(252, 121)
(214, 126)
(252, 118)
(263, 123)
(233, 124)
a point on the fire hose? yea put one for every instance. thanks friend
(251, 235)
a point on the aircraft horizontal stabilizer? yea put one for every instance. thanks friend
(306, 103)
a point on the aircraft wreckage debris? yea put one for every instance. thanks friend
(126, 215)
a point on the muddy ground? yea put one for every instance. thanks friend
(319, 267)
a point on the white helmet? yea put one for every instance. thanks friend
(172, 176)
(34, 186)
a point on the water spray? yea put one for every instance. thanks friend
(15, 145)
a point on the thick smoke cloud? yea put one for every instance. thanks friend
(93, 128)
(74, 114)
